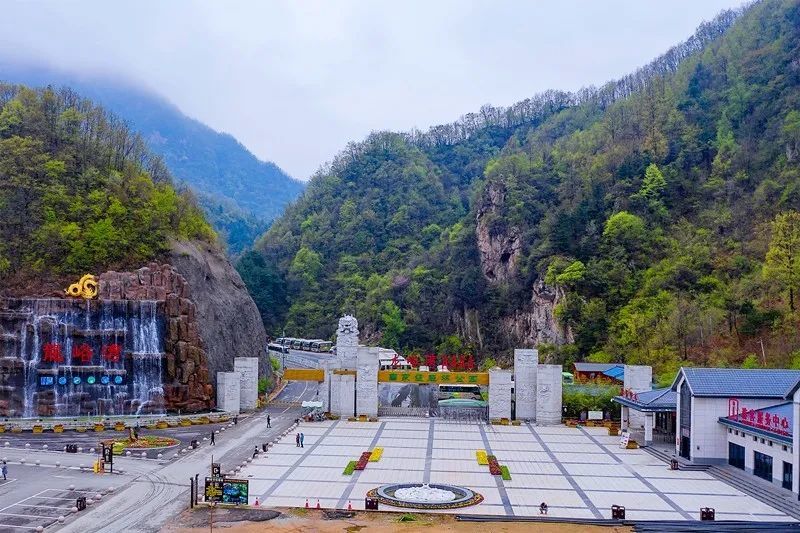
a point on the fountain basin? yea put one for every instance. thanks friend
(425, 496)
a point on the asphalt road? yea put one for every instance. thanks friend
(160, 490)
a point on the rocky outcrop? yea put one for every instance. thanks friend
(537, 323)
(499, 245)
(187, 383)
(227, 317)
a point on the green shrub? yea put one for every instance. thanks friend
(504, 473)
(349, 469)
(264, 385)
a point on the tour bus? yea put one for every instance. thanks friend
(277, 347)
(472, 392)
(296, 344)
(321, 346)
(305, 346)
(391, 360)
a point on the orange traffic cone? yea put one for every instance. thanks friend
(306, 503)
(318, 507)
(349, 505)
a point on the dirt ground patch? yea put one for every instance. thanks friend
(301, 521)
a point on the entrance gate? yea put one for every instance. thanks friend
(421, 388)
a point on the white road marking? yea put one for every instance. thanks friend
(37, 516)
(38, 506)
(18, 527)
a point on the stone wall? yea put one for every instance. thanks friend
(187, 385)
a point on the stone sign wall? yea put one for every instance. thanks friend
(525, 363)
(248, 368)
(229, 391)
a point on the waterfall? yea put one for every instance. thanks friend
(74, 358)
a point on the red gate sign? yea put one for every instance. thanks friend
(733, 407)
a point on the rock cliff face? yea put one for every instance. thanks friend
(499, 246)
(537, 323)
(187, 383)
(227, 317)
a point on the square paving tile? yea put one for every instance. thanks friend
(549, 471)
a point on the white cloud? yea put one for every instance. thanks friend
(296, 80)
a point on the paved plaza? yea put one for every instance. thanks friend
(579, 472)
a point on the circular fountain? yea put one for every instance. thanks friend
(425, 496)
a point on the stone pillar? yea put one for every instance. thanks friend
(347, 395)
(347, 342)
(525, 366)
(325, 388)
(623, 425)
(248, 368)
(367, 381)
(549, 398)
(499, 393)
(335, 383)
(638, 379)
(648, 428)
(229, 386)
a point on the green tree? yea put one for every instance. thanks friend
(751, 361)
(393, 324)
(783, 256)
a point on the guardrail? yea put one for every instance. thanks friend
(113, 423)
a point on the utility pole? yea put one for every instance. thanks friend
(763, 353)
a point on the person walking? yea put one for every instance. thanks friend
(302, 438)
(5, 470)
(269, 422)
(212, 438)
(255, 452)
(297, 440)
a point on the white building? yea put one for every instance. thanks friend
(722, 418)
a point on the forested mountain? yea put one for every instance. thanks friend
(630, 222)
(240, 194)
(80, 192)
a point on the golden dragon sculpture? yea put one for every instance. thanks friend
(86, 288)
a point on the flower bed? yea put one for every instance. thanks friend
(481, 456)
(348, 470)
(494, 466)
(143, 443)
(363, 460)
(377, 453)
(505, 473)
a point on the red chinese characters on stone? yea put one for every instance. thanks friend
(413, 360)
(430, 361)
(51, 353)
(82, 353)
(111, 353)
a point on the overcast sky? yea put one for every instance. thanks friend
(296, 80)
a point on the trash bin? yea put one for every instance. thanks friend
(264, 447)
(72, 448)
(707, 514)
(673, 464)
(80, 503)
(371, 504)
(617, 512)
(195, 444)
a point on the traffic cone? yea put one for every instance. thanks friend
(318, 507)
(349, 505)
(306, 503)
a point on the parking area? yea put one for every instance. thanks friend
(578, 472)
(28, 500)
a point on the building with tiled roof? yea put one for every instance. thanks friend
(743, 417)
